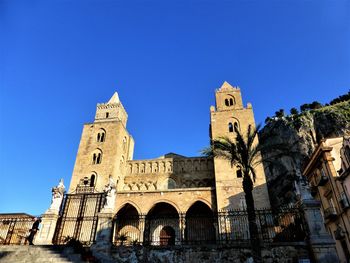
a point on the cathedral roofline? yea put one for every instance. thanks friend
(227, 87)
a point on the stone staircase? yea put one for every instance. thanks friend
(38, 254)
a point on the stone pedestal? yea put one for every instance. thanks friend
(321, 243)
(47, 230)
(103, 242)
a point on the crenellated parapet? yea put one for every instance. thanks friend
(111, 111)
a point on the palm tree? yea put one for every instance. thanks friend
(245, 152)
(122, 238)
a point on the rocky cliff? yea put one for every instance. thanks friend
(301, 132)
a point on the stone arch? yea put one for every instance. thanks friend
(127, 225)
(167, 202)
(93, 179)
(142, 168)
(202, 200)
(163, 216)
(230, 100)
(230, 127)
(101, 135)
(128, 202)
(97, 156)
(168, 183)
(236, 124)
(200, 223)
(136, 169)
(203, 164)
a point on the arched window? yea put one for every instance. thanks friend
(92, 180)
(239, 172)
(231, 102)
(227, 102)
(97, 156)
(230, 127)
(98, 159)
(101, 135)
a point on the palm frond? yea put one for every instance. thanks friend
(247, 152)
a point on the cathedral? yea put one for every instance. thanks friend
(172, 185)
(175, 202)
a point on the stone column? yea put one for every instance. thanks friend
(142, 227)
(47, 230)
(182, 227)
(320, 241)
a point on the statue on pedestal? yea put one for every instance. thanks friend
(57, 197)
(110, 191)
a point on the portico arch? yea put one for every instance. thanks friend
(200, 224)
(127, 226)
(128, 202)
(166, 201)
(206, 202)
(162, 225)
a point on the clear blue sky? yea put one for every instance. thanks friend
(165, 59)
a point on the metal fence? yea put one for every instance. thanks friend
(78, 218)
(14, 229)
(225, 227)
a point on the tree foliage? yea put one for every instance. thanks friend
(341, 98)
(245, 152)
(294, 111)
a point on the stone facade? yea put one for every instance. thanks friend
(326, 172)
(228, 113)
(171, 182)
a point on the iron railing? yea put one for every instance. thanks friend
(14, 229)
(225, 227)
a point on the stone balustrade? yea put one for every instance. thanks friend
(170, 166)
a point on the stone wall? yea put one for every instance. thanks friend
(169, 173)
(210, 254)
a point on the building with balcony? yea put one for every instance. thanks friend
(328, 174)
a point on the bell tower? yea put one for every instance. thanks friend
(104, 148)
(229, 113)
